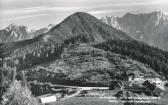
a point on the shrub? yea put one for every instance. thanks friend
(18, 94)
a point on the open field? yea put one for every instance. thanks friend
(107, 99)
(163, 100)
(82, 101)
(92, 101)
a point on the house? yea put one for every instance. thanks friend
(131, 76)
(152, 88)
(149, 85)
(115, 85)
(48, 98)
(158, 82)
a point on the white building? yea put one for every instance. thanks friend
(48, 99)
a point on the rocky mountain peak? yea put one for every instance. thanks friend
(148, 27)
(84, 24)
(112, 21)
(14, 27)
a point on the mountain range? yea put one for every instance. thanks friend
(14, 33)
(83, 50)
(151, 28)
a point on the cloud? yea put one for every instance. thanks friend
(38, 9)
(98, 12)
(25, 17)
(88, 8)
(125, 4)
(56, 10)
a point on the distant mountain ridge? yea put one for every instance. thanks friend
(112, 21)
(14, 33)
(152, 28)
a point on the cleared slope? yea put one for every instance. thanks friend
(85, 65)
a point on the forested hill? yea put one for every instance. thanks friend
(154, 57)
(45, 47)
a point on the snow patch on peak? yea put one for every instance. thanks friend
(162, 18)
(11, 27)
(112, 21)
(13, 33)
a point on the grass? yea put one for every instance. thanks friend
(163, 100)
(83, 101)
(92, 101)
(104, 101)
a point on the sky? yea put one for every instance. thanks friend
(39, 13)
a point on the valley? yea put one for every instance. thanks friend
(85, 61)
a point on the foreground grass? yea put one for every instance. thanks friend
(92, 101)
(82, 101)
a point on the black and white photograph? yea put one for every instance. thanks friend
(83, 52)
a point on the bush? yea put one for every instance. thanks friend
(18, 94)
